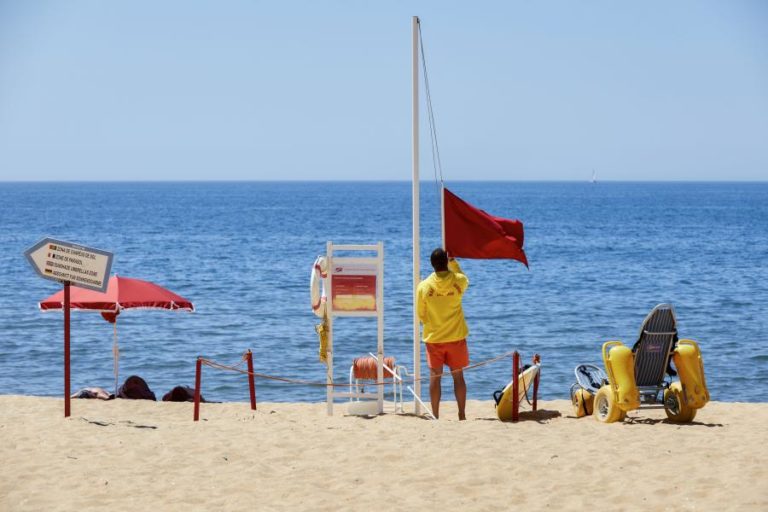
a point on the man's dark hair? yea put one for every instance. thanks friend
(439, 260)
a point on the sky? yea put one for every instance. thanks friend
(236, 90)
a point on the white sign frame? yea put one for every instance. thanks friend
(377, 264)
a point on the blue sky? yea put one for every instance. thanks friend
(189, 90)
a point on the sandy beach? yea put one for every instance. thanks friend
(138, 455)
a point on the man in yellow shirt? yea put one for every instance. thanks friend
(438, 300)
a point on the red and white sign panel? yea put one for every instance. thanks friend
(353, 287)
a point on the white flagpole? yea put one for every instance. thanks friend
(415, 199)
(442, 212)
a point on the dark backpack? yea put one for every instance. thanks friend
(135, 388)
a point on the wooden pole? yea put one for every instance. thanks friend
(536, 360)
(66, 349)
(251, 379)
(198, 375)
(515, 386)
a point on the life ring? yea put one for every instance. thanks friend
(317, 285)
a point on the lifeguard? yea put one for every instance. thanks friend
(445, 330)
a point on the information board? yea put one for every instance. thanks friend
(353, 287)
(62, 261)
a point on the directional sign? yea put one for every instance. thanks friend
(84, 267)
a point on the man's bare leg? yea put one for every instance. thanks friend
(435, 379)
(460, 390)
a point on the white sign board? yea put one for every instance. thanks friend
(61, 261)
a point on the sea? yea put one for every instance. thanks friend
(602, 255)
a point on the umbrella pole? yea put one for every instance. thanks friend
(115, 354)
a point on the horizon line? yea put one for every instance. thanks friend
(311, 180)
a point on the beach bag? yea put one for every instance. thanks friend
(135, 388)
(181, 394)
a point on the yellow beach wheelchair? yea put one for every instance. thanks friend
(635, 377)
(589, 379)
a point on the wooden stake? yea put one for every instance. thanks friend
(536, 360)
(251, 379)
(198, 375)
(515, 386)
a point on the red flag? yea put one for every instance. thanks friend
(472, 233)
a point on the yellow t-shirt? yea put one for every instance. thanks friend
(438, 300)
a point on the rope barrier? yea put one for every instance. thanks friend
(301, 382)
(366, 366)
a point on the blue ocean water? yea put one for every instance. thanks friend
(602, 255)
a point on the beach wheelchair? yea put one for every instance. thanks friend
(637, 377)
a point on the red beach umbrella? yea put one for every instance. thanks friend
(122, 293)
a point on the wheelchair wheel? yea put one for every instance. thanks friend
(674, 405)
(581, 401)
(605, 409)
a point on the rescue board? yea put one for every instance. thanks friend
(525, 379)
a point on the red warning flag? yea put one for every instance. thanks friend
(472, 233)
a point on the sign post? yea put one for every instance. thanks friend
(67, 392)
(70, 264)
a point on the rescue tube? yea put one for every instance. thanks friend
(504, 404)
(317, 285)
(690, 367)
(620, 365)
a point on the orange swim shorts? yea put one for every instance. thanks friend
(454, 354)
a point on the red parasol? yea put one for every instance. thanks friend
(122, 293)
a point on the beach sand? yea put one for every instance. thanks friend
(137, 455)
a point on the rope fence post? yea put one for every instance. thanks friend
(198, 375)
(536, 360)
(515, 386)
(251, 379)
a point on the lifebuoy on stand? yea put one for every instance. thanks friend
(317, 286)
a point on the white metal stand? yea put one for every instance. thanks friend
(336, 265)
